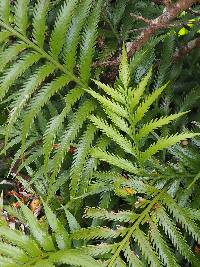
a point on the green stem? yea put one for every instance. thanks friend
(132, 229)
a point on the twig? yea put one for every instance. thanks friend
(186, 49)
(162, 21)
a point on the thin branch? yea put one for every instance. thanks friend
(163, 21)
(186, 49)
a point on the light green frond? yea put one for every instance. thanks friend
(39, 21)
(174, 234)
(113, 134)
(72, 257)
(17, 238)
(4, 35)
(162, 248)
(76, 123)
(182, 217)
(16, 70)
(5, 10)
(98, 232)
(114, 160)
(108, 104)
(112, 92)
(131, 257)
(120, 122)
(73, 36)
(124, 72)
(145, 105)
(121, 216)
(25, 93)
(7, 262)
(55, 123)
(21, 15)
(61, 26)
(80, 156)
(163, 143)
(39, 101)
(146, 248)
(155, 124)
(135, 95)
(61, 235)
(13, 252)
(88, 42)
(10, 54)
(38, 233)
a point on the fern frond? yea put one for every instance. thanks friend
(155, 124)
(61, 26)
(16, 71)
(39, 101)
(25, 93)
(146, 248)
(5, 11)
(166, 255)
(61, 235)
(13, 252)
(115, 160)
(164, 142)
(139, 90)
(21, 15)
(174, 234)
(113, 134)
(89, 38)
(11, 53)
(69, 135)
(80, 156)
(145, 105)
(39, 22)
(56, 123)
(131, 257)
(121, 216)
(182, 217)
(74, 34)
(108, 104)
(97, 232)
(124, 72)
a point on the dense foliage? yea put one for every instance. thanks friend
(99, 134)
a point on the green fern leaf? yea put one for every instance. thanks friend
(73, 36)
(10, 54)
(164, 142)
(39, 22)
(81, 154)
(89, 38)
(56, 123)
(21, 15)
(61, 235)
(145, 105)
(174, 234)
(61, 26)
(15, 71)
(5, 10)
(155, 124)
(113, 134)
(39, 234)
(25, 93)
(166, 255)
(69, 135)
(115, 160)
(124, 73)
(39, 101)
(21, 240)
(13, 252)
(150, 255)
(132, 259)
